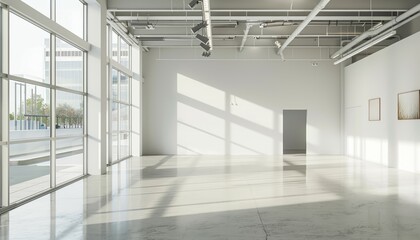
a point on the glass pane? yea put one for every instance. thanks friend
(69, 14)
(69, 66)
(69, 159)
(124, 88)
(115, 84)
(114, 46)
(125, 54)
(29, 111)
(124, 145)
(115, 117)
(29, 169)
(69, 114)
(29, 50)
(42, 6)
(114, 147)
(124, 117)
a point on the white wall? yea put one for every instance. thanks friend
(235, 106)
(390, 142)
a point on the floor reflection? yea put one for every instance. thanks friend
(204, 197)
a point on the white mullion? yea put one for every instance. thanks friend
(130, 117)
(4, 105)
(85, 112)
(32, 140)
(52, 10)
(118, 97)
(118, 114)
(123, 32)
(130, 100)
(53, 100)
(121, 68)
(85, 87)
(46, 23)
(44, 85)
(110, 97)
(84, 20)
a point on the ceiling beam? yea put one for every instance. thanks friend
(255, 10)
(255, 18)
(179, 36)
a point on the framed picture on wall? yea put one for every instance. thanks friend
(409, 105)
(375, 109)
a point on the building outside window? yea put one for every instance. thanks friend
(42, 155)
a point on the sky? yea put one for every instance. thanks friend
(27, 42)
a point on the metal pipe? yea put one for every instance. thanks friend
(252, 10)
(254, 18)
(377, 31)
(207, 18)
(245, 37)
(253, 46)
(372, 42)
(321, 5)
(162, 37)
(382, 34)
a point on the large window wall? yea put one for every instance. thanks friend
(120, 81)
(43, 87)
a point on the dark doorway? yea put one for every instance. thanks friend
(294, 131)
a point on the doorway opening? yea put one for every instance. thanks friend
(294, 131)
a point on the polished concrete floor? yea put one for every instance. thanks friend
(174, 197)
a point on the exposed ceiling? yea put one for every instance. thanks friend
(159, 23)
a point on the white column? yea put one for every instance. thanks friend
(136, 96)
(96, 88)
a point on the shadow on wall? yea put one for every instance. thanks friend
(215, 122)
(384, 150)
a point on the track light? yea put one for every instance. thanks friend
(205, 46)
(206, 54)
(202, 38)
(368, 45)
(278, 44)
(199, 26)
(193, 3)
(150, 27)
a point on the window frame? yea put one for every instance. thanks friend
(54, 30)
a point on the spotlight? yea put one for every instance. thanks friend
(202, 38)
(193, 3)
(205, 46)
(263, 25)
(150, 27)
(206, 54)
(278, 44)
(199, 26)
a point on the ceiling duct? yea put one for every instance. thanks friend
(403, 18)
(183, 24)
(372, 42)
(151, 38)
(321, 5)
(277, 24)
